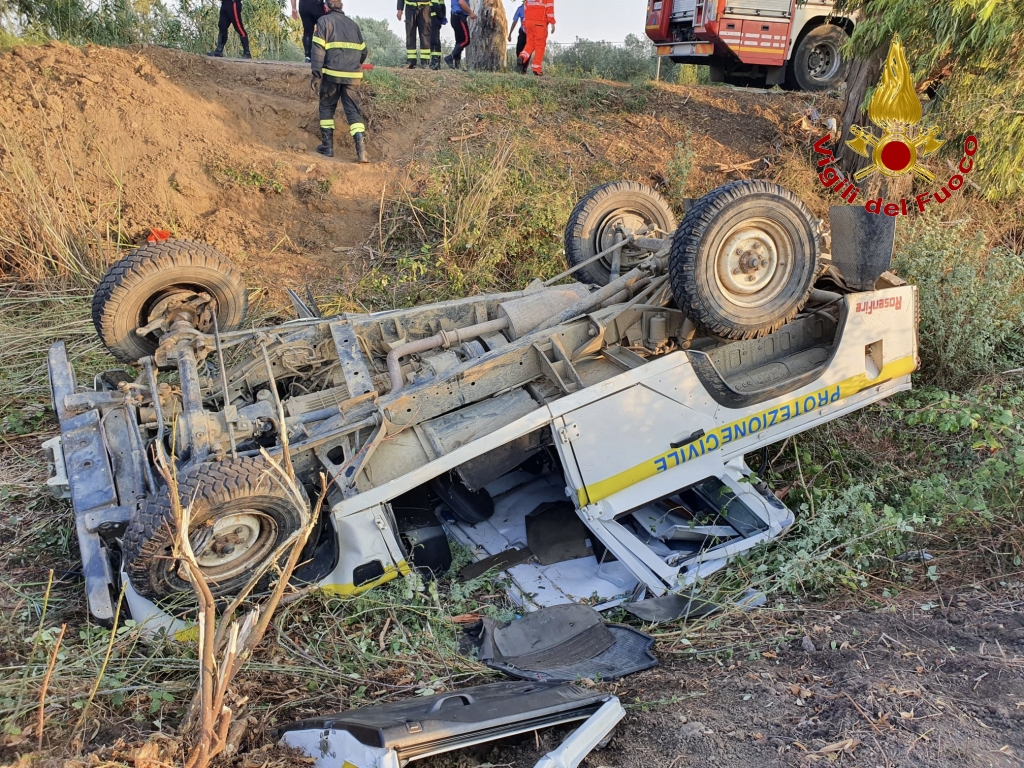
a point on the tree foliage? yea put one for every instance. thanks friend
(633, 60)
(386, 48)
(971, 55)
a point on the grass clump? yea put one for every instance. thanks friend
(481, 221)
(253, 178)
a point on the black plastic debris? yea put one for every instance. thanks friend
(560, 643)
(671, 608)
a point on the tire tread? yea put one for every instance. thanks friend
(683, 258)
(150, 532)
(122, 276)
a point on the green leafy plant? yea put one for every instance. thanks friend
(971, 300)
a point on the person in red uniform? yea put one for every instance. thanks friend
(539, 16)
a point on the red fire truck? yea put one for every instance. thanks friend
(797, 43)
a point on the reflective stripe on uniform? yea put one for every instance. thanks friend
(336, 73)
(356, 128)
(347, 46)
(320, 41)
(327, 124)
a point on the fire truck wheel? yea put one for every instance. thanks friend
(614, 209)
(240, 514)
(819, 64)
(173, 279)
(744, 260)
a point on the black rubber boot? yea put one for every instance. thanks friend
(217, 52)
(412, 65)
(360, 139)
(326, 142)
(435, 65)
(245, 49)
(450, 62)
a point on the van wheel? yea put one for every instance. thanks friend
(602, 213)
(178, 277)
(819, 64)
(241, 514)
(744, 260)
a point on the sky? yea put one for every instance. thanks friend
(608, 20)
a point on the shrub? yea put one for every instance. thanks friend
(847, 535)
(972, 302)
(386, 48)
(633, 60)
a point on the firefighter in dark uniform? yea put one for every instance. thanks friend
(338, 54)
(417, 20)
(438, 18)
(230, 16)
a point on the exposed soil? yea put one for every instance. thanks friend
(897, 687)
(222, 150)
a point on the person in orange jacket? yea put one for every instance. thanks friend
(539, 16)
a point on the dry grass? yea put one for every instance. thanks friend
(61, 242)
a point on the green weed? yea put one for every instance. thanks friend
(253, 178)
(677, 172)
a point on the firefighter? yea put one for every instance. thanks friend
(417, 19)
(539, 15)
(438, 18)
(230, 16)
(309, 11)
(517, 18)
(461, 13)
(338, 54)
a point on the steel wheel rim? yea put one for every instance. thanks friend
(630, 220)
(156, 306)
(237, 543)
(754, 262)
(823, 61)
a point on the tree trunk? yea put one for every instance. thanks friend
(488, 33)
(863, 74)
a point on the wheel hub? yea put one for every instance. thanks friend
(823, 61)
(754, 262)
(237, 543)
(619, 226)
(176, 304)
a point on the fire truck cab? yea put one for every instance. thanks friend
(797, 43)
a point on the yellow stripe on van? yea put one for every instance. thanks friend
(390, 573)
(745, 427)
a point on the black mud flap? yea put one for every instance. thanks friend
(862, 244)
(392, 734)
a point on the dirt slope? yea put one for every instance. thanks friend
(221, 150)
(215, 150)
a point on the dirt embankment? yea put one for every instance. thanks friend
(213, 150)
(222, 150)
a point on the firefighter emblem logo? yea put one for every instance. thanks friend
(896, 110)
